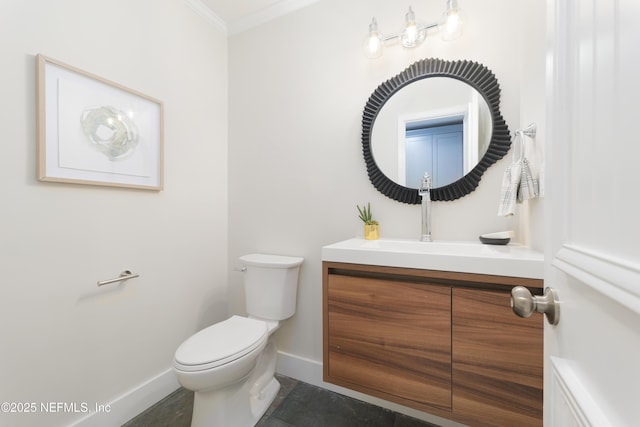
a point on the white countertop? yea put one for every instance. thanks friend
(464, 257)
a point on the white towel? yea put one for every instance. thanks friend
(509, 193)
(528, 186)
(519, 182)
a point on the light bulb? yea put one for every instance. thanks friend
(451, 27)
(413, 33)
(373, 43)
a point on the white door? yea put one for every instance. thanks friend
(592, 357)
(438, 150)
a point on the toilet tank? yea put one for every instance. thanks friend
(271, 285)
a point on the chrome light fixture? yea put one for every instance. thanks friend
(414, 32)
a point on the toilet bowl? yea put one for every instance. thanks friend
(221, 354)
(231, 365)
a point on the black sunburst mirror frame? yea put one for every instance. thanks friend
(474, 74)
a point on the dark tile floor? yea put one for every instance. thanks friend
(297, 405)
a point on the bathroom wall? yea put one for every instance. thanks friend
(294, 174)
(532, 110)
(297, 87)
(63, 339)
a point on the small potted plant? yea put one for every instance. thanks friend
(371, 226)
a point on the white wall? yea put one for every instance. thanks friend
(298, 86)
(65, 340)
(532, 110)
(295, 172)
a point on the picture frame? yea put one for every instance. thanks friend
(94, 131)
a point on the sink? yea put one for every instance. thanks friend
(464, 257)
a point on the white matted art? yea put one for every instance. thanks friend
(93, 131)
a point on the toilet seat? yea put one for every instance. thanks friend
(221, 343)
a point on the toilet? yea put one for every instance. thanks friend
(231, 365)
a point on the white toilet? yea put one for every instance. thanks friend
(231, 365)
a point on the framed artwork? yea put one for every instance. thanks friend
(94, 131)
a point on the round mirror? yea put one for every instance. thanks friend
(437, 116)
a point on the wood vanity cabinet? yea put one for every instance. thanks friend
(442, 342)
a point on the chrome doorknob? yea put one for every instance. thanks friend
(524, 304)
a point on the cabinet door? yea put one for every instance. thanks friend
(391, 339)
(497, 361)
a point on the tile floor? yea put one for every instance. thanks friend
(297, 405)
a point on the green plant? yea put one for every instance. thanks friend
(365, 215)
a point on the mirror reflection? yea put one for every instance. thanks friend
(439, 125)
(466, 116)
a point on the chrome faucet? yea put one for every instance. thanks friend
(425, 192)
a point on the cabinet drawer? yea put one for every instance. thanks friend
(497, 360)
(391, 337)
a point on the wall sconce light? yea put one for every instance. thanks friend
(414, 32)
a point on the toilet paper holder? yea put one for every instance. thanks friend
(125, 275)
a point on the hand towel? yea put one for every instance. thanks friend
(528, 186)
(509, 193)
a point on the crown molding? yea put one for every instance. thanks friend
(267, 14)
(252, 20)
(201, 9)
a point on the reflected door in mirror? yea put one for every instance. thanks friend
(437, 150)
(430, 104)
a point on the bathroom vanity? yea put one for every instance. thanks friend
(429, 326)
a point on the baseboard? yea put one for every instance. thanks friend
(310, 372)
(131, 403)
(145, 395)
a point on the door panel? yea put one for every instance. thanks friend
(437, 150)
(592, 376)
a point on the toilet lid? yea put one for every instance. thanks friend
(221, 343)
(271, 261)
